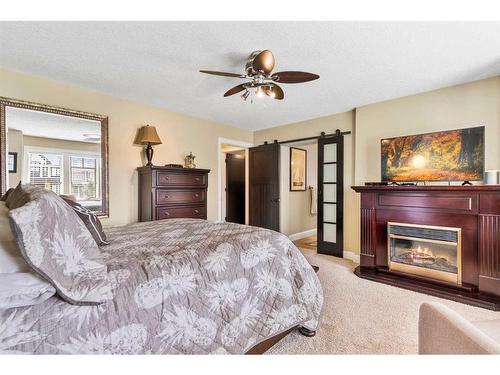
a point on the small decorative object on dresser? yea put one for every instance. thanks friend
(170, 192)
(189, 161)
(147, 135)
(491, 177)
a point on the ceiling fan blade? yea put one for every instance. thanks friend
(264, 62)
(274, 91)
(235, 90)
(294, 77)
(224, 74)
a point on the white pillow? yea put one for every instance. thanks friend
(23, 289)
(19, 285)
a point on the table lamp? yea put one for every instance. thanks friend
(148, 135)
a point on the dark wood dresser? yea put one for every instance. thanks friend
(168, 193)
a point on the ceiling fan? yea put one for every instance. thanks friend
(258, 70)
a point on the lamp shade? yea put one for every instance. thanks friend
(148, 134)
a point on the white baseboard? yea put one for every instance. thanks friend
(299, 236)
(351, 256)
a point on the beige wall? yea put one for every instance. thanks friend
(472, 104)
(295, 214)
(345, 122)
(463, 106)
(180, 135)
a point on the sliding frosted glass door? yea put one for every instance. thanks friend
(330, 195)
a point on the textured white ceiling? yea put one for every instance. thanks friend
(158, 62)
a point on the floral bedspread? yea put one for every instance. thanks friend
(179, 286)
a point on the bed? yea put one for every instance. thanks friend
(179, 286)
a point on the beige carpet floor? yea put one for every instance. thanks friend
(364, 317)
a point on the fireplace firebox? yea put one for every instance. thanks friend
(430, 251)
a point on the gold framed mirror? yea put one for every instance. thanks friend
(62, 150)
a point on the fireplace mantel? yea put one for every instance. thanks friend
(474, 209)
(424, 188)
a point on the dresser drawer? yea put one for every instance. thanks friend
(195, 212)
(180, 179)
(435, 201)
(179, 196)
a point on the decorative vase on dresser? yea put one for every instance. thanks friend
(169, 193)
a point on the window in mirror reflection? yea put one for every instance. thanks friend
(60, 153)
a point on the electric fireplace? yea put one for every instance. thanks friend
(428, 251)
(445, 240)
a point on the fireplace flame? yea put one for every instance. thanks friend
(421, 253)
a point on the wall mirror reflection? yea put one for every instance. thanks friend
(61, 150)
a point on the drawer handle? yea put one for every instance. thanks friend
(166, 213)
(196, 211)
(197, 179)
(196, 195)
(166, 196)
(166, 178)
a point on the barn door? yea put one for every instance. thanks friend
(264, 181)
(331, 195)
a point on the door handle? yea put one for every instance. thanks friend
(275, 200)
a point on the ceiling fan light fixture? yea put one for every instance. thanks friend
(269, 91)
(262, 82)
(245, 95)
(259, 92)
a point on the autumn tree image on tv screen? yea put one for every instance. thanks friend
(455, 155)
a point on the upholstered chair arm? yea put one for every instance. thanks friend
(443, 331)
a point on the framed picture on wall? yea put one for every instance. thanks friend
(298, 169)
(12, 162)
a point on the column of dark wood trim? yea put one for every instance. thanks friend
(368, 230)
(489, 254)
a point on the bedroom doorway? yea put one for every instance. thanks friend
(298, 190)
(235, 187)
(233, 184)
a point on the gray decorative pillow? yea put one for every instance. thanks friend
(58, 246)
(6, 195)
(17, 197)
(90, 220)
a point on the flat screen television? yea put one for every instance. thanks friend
(453, 155)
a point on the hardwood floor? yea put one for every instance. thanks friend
(308, 243)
